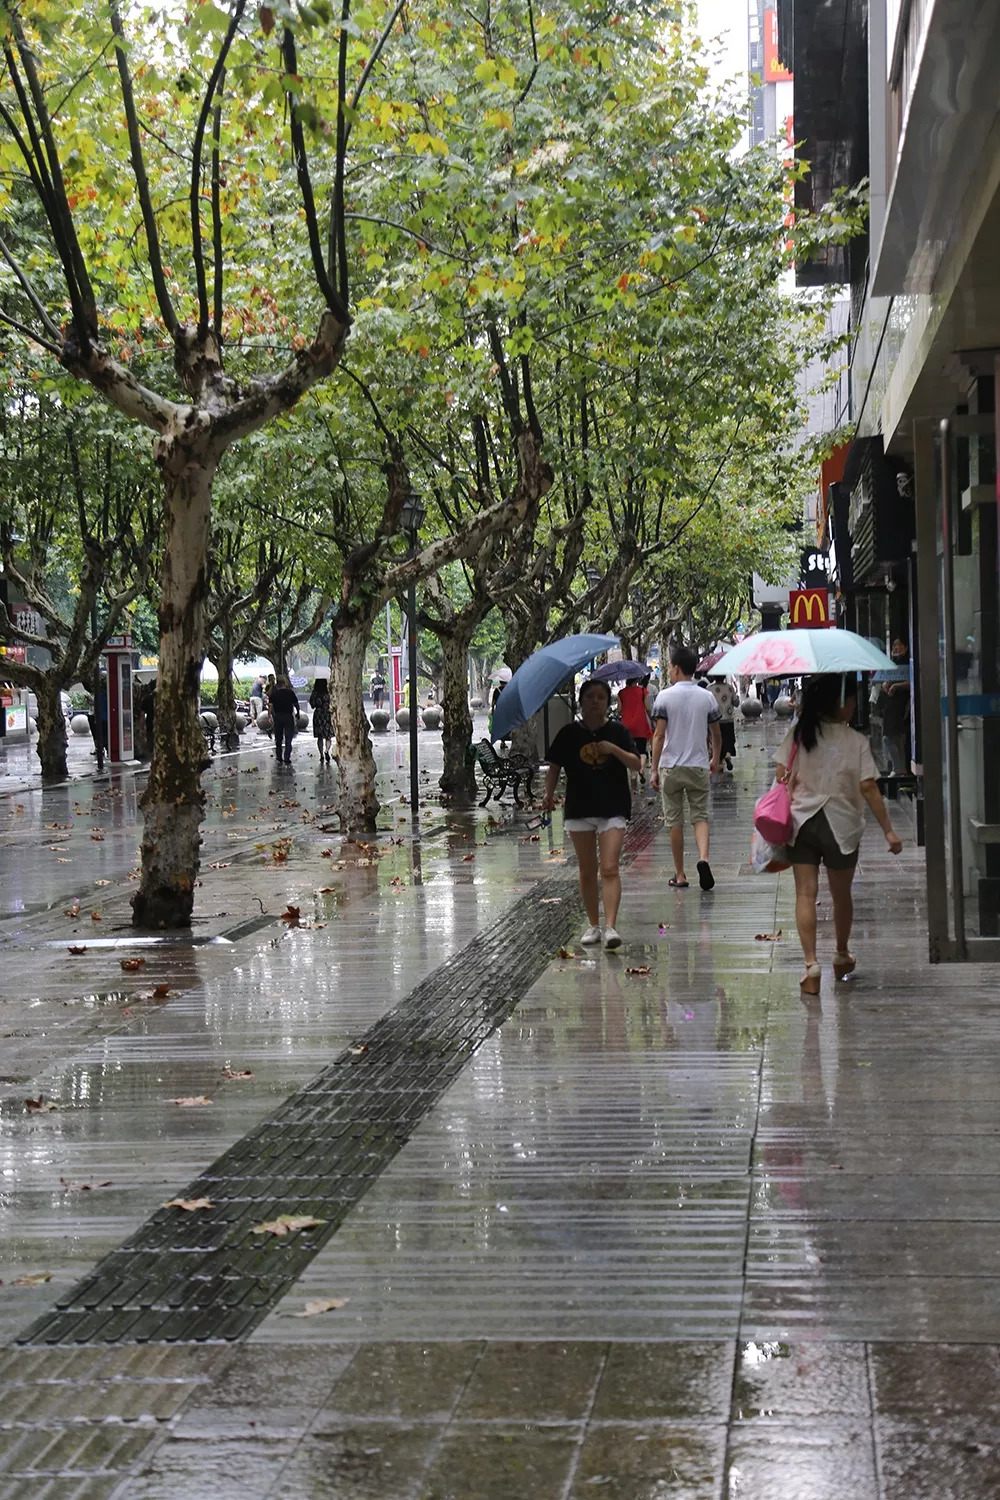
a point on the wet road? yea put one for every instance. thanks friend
(670, 1232)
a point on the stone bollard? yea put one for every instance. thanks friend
(264, 722)
(209, 719)
(751, 708)
(80, 724)
(379, 720)
(432, 716)
(242, 720)
(402, 718)
(784, 707)
(302, 722)
(476, 703)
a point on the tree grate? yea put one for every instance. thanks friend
(206, 1275)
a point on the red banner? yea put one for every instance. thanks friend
(774, 70)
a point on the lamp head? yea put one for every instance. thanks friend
(413, 513)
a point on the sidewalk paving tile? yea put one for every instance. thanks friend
(648, 1225)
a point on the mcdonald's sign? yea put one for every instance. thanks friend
(809, 608)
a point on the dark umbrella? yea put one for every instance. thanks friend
(708, 662)
(620, 671)
(541, 675)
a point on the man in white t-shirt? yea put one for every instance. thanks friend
(684, 716)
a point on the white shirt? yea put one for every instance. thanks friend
(828, 779)
(687, 710)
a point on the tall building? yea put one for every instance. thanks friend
(903, 93)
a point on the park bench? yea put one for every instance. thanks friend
(502, 771)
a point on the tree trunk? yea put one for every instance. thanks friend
(174, 801)
(358, 805)
(51, 729)
(225, 701)
(459, 778)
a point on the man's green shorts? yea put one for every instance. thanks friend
(678, 782)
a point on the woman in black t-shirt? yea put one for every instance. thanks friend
(597, 757)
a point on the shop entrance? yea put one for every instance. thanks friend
(959, 623)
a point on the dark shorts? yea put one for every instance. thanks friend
(816, 845)
(728, 729)
(640, 745)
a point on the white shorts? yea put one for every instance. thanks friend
(593, 825)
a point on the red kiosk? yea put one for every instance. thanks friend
(118, 653)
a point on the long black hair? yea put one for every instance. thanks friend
(822, 700)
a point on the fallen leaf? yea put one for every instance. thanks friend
(396, 883)
(190, 1101)
(237, 1073)
(95, 916)
(98, 838)
(189, 1205)
(291, 915)
(563, 953)
(37, 1278)
(357, 1051)
(326, 854)
(72, 911)
(640, 969)
(74, 949)
(219, 864)
(131, 964)
(767, 937)
(326, 890)
(321, 1305)
(287, 1224)
(467, 857)
(39, 1106)
(102, 882)
(550, 901)
(83, 1187)
(161, 991)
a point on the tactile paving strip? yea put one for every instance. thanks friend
(206, 1275)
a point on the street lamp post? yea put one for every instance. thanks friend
(412, 516)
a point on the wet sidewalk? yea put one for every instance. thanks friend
(632, 1225)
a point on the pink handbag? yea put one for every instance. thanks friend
(772, 816)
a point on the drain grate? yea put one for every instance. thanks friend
(202, 1276)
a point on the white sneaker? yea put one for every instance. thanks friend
(611, 938)
(591, 936)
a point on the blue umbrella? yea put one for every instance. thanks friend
(620, 671)
(541, 675)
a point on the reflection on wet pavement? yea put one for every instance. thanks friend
(670, 1232)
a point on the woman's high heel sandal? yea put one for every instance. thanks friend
(809, 983)
(843, 964)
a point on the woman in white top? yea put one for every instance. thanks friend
(831, 778)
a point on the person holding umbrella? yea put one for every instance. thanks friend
(597, 756)
(830, 774)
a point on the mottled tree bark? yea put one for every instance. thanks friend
(458, 777)
(357, 803)
(174, 800)
(225, 699)
(51, 729)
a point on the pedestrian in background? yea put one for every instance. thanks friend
(634, 711)
(685, 718)
(725, 696)
(284, 709)
(322, 723)
(257, 698)
(830, 779)
(597, 756)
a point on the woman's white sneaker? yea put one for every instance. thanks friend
(611, 938)
(591, 936)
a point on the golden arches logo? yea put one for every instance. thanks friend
(810, 607)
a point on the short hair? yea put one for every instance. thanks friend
(596, 682)
(685, 659)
